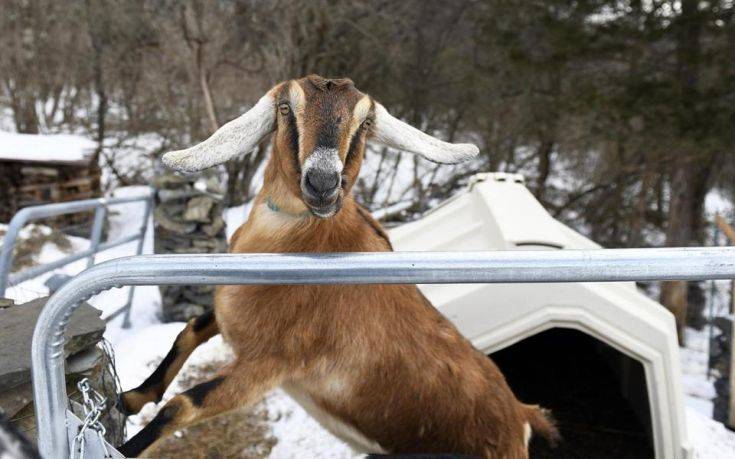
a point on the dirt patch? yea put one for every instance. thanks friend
(241, 433)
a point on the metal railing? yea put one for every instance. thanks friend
(612, 265)
(100, 206)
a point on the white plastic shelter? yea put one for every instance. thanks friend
(634, 336)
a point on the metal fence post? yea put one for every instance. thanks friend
(100, 213)
(139, 250)
(603, 265)
(6, 251)
(27, 214)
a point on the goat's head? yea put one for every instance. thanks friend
(321, 126)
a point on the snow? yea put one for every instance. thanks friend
(298, 434)
(124, 219)
(140, 348)
(53, 148)
(236, 216)
(698, 390)
(710, 439)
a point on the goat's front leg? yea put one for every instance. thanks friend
(244, 384)
(196, 332)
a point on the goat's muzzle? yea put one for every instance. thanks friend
(321, 182)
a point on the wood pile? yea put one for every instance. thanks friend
(30, 184)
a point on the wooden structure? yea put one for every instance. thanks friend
(42, 169)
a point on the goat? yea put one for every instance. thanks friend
(377, 365)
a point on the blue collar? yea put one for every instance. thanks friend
(274, 207)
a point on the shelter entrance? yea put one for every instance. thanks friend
(596, 393)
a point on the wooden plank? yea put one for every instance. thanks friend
(43, 171)
(83, 181)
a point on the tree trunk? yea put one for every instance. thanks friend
(22, 94)
(679, 234)
(544, 169)
(95, 31)
(686, 167)
(206, 93)
(25, 116)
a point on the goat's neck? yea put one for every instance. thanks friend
(278, 190)
(281, 222)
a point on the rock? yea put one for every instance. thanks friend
(162, 219)
(191, 250)
(184, 311)
(6, 303)
(92, 364)
(171, 195)
(207, 243)
(217, 225)
(188, 221)
(14, 444)
(85, 330)
(197, 298)
(170, 181)
(197, 210)
(15, 399)
(214, 185)
(175, 210)
(84, 359)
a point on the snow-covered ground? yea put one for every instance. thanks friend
(298, 434)
(141, 347)
(124, 220)
(710, 438)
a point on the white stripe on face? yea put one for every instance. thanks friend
(326, 159)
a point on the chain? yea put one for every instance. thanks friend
(94, 404)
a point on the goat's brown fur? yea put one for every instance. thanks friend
(377, 364)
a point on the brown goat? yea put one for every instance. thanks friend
(377, 365)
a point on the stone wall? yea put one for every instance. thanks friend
(84, 359)
(188, 219)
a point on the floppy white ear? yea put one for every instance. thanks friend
(239, 136)
(393, 132)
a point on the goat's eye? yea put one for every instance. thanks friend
(367, 123)
(284, 109)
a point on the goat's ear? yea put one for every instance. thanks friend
(393, 132)
(237, 137)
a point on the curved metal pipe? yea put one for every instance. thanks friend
(610, 265)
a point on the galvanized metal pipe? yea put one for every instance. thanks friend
(139, 250)
(100, 212)
(612, 265)
(27, 214)
(30, 273)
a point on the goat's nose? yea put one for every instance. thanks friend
(321, 183)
